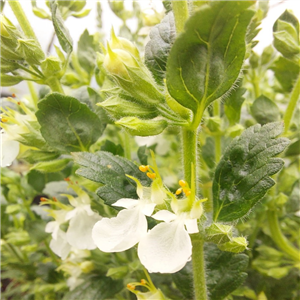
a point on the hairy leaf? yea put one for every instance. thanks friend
(162, 36)
(110, 170)
(66, 124)
(242, 176)
(204, 62)
(97, 288)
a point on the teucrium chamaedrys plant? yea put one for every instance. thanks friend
(116, 219)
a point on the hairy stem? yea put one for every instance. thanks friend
(181, 13)
(55, 85)
(218, 146)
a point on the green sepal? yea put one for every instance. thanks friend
(242, 175)
(236, 245)
(203, 63)
(8, 65)
(10, 80)
(139, 127)
(9, 53)
(31, 51)
(51, 166)
(218, 233)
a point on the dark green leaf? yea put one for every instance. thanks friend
(208, 152)
(143, 157)
(204, 62)
(110, 170)
(61, 31)
(225, 271)
(112, 148)
(184, 281)
(293, 149)
(162, 36)
(96, 288)
(86, 51)
(233, 105)
(66, 124)
(286, 72)
(265, 110)
(242, 176)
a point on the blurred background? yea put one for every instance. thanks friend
(152, 12)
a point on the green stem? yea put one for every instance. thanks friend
(218, 146)
(33, 93)
(198, 267)
(255, 84)
(28, 71)
(126, 145)
(22, 19)
(189, 147)
(181, 13)
(291, 106)
(278, 237)
(55, 85)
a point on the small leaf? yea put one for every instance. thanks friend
(100, 288)
(61, 31)
(162, 36)
(51, 166)
(265, 110)
(236, 245)
(110, 170)
(242, 176)
(218, 233)
(112, 148)
(10, 80)
(204, 62)
(66, 124)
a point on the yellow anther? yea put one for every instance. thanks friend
(182, 183)
(4, 119)
(143, 168)
(143, 282)
(187, 191)
(179, 191)
(130, 286)
(151, 175)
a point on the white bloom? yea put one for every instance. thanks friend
(167, 247)
(53, 226)
(9, 150)
(60, 246)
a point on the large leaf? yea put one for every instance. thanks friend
(97, 288)
(225, 273)
(61, 31)
(242, 176)
(206, 59)
(110, 170)
(162, 36)
(67, 124)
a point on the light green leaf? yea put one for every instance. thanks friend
(66, 124)
(204, 62)
(10, 80)
(265, 110)
(218, 233)
(51, 166)
(236, 245)
(242, 175)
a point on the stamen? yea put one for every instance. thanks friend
(143, 168)
(151, 175)
(130, 286)
(19, 103)
(4, 119)
(187, 191)
(54, 199)
(43, 199)
(143, 282)
(182, 183)
(179, 191)
(13, 95)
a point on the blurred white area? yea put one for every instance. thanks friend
(44, 28)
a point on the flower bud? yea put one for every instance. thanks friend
(123, 44)
(31, 51)
(51, 67)
(119, 107)
(8, 31)
(117, 273)
(87, 266)
(136, 126)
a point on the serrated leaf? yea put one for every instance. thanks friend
(162, 37)
(242, 176)
(204, 62)
(66, 124)
(236, 245)
(61, 31)
(233, 105)
(96, 288)
(218, 233)
(110, 170)
(265, 110)
(226, 271)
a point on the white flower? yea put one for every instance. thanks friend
(60, 246)
(167, 247)
(53, 226)
(9, 150)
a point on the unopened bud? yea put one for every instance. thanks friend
(31, 51)
(140, 127)
(87, 266)
(51, 67)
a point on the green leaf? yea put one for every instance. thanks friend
(10, 80)
(51, 166)
(204, 62)
(265, 110)
(86, 51)
(61, 31)
(162, 36)
(218, 233)
(236, 245)
(233, 104)
(112, 148)
(286, 72)
(95, 288)
(242, 175)
(110, 170)
(66, 124)
(226, 271)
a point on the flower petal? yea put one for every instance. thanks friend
(60, 246)
(147, 208)
(191, 225)
(126, 203)
(79, 233)
(9, 151)
(164, 215)
(166, 248)
(121, 232)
